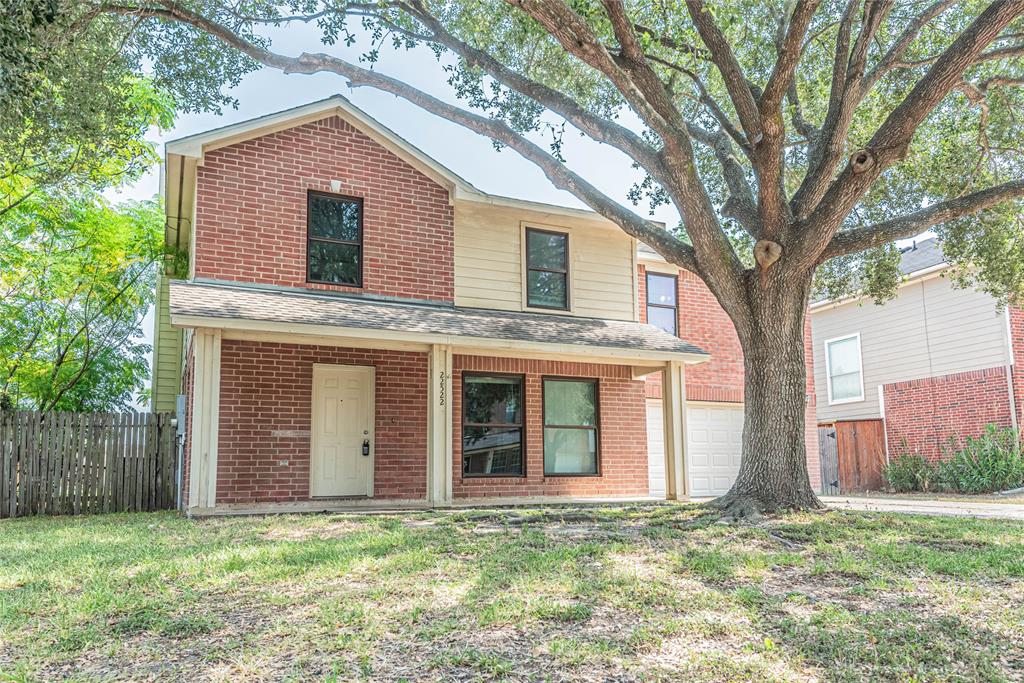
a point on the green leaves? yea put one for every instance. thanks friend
(76, 279)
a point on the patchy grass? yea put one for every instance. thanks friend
(626, 593)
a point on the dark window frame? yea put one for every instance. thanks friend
(596, 381)
(563, 271)
(503, 425)
(674, 308)
(310, 194)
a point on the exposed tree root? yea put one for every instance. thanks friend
(751, 509)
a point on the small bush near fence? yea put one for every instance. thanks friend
(988, 463)
(909, 473)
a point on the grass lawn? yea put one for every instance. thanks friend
(631, 593)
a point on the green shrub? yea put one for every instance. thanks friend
(991, 462)
(909, 473)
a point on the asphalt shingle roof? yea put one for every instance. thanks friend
(222, 301)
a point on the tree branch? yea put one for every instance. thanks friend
(790, 50)
(723, 57)
(561, 176)
(859, 239)
(890, 142)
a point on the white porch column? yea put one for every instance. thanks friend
(439, 426)
(205, 408)
(673, 391)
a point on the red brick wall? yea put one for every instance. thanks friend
(267, 388)
(922, 415)
(1017, 340)
(251, 212)
(622, 435)
(702, 322)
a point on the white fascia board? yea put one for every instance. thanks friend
(480, 197)
(909, 279)
(619, 356)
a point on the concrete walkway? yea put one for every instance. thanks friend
(918, 506)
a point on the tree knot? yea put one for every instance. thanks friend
(766, 253)
(862, 160)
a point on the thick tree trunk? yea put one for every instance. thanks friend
(773, 472)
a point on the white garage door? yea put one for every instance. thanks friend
(714, 443)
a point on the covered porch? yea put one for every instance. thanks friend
(311, 402)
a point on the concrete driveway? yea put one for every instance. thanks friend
(1013, 508)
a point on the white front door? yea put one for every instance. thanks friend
(342, 422)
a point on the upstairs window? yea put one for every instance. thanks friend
(334, 239)
(492, 426)
(570, 427)
(547, 269)
(843, 367)
(662, 309)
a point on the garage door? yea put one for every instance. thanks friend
(714, 443)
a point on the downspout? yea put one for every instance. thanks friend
(1009, 371)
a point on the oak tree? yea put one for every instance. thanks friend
(793, 137)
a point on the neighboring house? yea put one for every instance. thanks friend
(357, 325)
(935, 363)
(679, 302)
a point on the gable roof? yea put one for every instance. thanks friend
(255, 308)
(921, 255)
(197, 145)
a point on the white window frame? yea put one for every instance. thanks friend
(860, 368)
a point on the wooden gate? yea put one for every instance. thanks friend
(829, 457)
(80, 463)
(859, 455)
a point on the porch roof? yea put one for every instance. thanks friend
(255, 308)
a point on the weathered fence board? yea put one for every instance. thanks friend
(74, 463)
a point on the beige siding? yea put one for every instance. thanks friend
(489, 261)
(929, 329)
(166, 353)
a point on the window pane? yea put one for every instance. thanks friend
(492, 400)
(545, 250)
(333, 262)
(846, 386)
(546, 289)
(490, 450)
(334, 218)
(844, 356)
(570, 403)
(661, 289)
(570, 451)
(665, 318)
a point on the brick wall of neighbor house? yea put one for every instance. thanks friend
(265, 413)
(622, 436)
(922, 415)
(251, 212)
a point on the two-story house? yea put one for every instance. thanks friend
(354, 324)
(936, 363)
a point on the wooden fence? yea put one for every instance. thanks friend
(82, 463)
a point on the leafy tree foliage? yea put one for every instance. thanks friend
(788, 134)
(76, 278)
